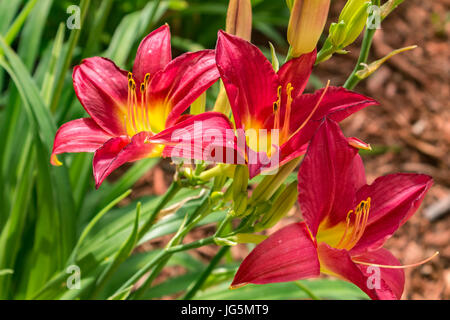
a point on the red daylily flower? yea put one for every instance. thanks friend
(127, 109)
(346, 222)
(261, 98)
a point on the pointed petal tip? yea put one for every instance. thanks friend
(55, 161)
(359, 144)
(235, 285)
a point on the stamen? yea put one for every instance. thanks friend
(130, 76)
(398, 267)
(129, 111)
(134, 106)
(347, 227)
(276, 109)
(146, 78)
(144, 123)
(313, 111)
(287, 115)
(359, 225)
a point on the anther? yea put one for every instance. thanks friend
(130, 76)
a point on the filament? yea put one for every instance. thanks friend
(361, 213)
(313, 111)
(136, 119)
(276, 109)
(287, 116)
(398, 267)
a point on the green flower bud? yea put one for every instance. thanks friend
(240, 180)
(351, 23)
(356, 24)
(350, 9)
(337, 33)
(240, 204)
(280, 207)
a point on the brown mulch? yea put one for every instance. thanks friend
(410, 128)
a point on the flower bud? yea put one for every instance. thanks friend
(356, 24)
(239, 19)
(308, 18)
(270, 184)
(337, 33)
(240, 180)
(249, 238)
(240, 205)
(352, 20)
(371, 68)
(280, 207)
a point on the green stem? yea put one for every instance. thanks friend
(164, 255)
(353, 79)
(170, 193)
(178, 238)
(306, 290)
(205, 274)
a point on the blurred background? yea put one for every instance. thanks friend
(409, 132)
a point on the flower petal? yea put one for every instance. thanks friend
(297, 72)
(394, 199)
(338, 263)
(337, 104)
(118, 151)
(394, 279)
(102, 89)
(249, 79)
(153, 53)
(208, 136)
(179, 84)
(287, 255)
(326, 181)
(81, 135)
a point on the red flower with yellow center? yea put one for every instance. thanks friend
(127, 109)
(272, 104)
(346, 222)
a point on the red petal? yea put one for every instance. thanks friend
(208, 136)
(180, 83)
(297, 72)
(287, 255)
(327, 182)
(394, 279)
(102, 89)
(338, 263)
(81, 135)
(249, 79)
(337, 104)
(153, 54)
(394, 199)
(118, 151)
